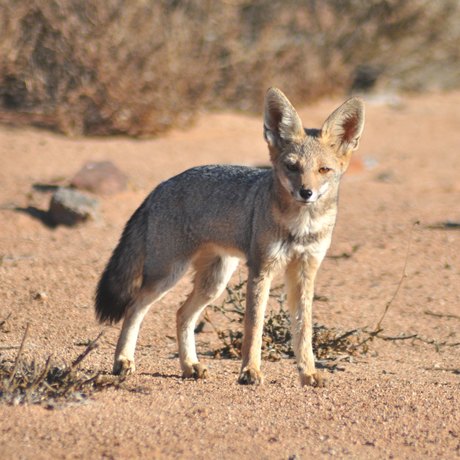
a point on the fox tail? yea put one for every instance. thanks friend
(122, 278)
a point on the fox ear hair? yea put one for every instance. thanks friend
(343, 128)
(281, 122)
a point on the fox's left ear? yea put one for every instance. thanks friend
(343, 128)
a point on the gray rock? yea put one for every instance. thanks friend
(70, 207)
(100, 177)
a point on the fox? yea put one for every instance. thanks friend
(208, 218)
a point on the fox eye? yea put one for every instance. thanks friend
(324, 170)
(293, 167)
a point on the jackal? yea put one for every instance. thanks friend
(209, 217)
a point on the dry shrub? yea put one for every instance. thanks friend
(329, 343)
(31, 382)
(140, 67)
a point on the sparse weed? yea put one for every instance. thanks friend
(328, 343)
(30, 382)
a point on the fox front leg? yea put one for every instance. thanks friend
(300, 278)
(258, 290)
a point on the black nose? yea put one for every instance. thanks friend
(305, 193)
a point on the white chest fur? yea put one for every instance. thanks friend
(308, 236)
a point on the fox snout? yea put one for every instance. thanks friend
(306, 193)
(310, 195)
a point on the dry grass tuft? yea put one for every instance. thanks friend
(29, 382)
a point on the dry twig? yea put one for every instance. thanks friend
(441, 315)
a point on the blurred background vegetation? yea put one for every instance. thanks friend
(139, 67)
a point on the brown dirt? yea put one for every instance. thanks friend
(400, 401)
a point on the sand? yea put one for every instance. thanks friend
(401, 400)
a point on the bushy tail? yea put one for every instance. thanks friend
(122, 278)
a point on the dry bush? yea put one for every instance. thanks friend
(329, 343)
(102, 67)
(140, 67)
(31, 382)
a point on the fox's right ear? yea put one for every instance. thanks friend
(281, 122)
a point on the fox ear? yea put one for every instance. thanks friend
(343, 128)
(281, 122)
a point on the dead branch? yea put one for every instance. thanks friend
(378, 326)
(441, 315)
(18, 356)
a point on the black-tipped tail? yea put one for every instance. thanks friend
(122, 278)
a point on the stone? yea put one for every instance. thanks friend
(100, 177)
(71, 207)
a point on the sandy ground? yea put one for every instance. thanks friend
(401, 400)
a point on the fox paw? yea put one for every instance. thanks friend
(250, 376)
(316, 379)
(195, 371)
(124, 367)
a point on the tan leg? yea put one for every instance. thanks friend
(256, 302)
(212, 275)
(300, 278)
(126, 345)
(124, 353)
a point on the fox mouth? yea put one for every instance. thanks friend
(313, 198)
(305, 202)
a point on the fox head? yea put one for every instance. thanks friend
(309, 163)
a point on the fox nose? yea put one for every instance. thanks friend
(305, 193)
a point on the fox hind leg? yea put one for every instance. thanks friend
(124, 354)
(155, 290)
(212, 275)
